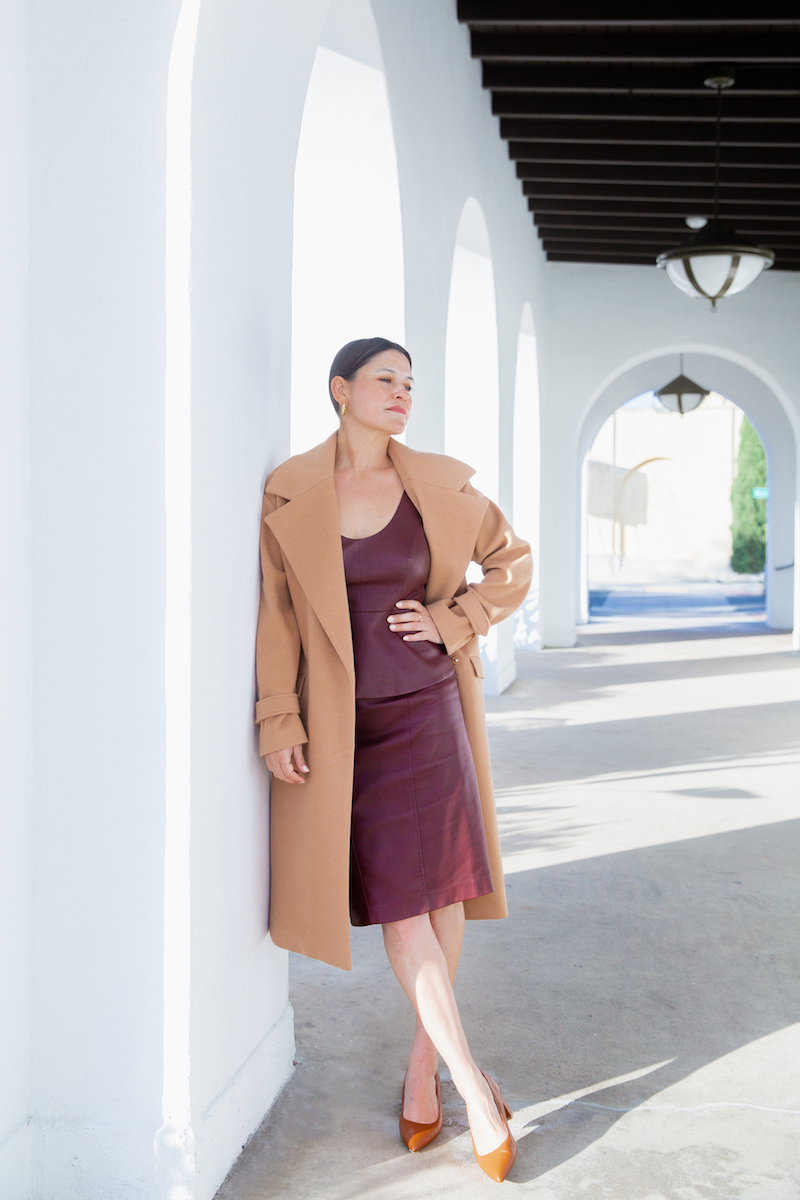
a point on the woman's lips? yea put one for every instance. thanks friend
(397, 408)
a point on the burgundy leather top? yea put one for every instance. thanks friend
(391, 565)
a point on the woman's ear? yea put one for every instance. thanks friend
(339, 389)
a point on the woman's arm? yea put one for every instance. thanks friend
(277, 658)
(507, 572)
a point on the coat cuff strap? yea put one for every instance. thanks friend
(273, 706)
(454, 628)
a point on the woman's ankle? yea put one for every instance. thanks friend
(423, 1064)
(469, 1083)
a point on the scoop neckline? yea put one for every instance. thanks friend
(383, 527)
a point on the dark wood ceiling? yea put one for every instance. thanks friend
(613, 132)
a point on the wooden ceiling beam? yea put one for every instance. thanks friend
(650, 252)
(633, 152)
(623, 78)
(583, 13)
(590, 106)
(672, 225)
(650, 133)
(689, 194)
(644, 260)
(639, 47)
(617, 260)
(639, 173)
(652, 208)
(662, 240)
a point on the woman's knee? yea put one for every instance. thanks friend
(407, 931)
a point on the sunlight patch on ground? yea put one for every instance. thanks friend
(660, 698)
(629, 810)
(593, 652)
(728, 1131)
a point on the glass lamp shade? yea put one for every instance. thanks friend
(681, 394)
(715, 262)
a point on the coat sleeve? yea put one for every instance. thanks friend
(277, 650)
(507, 572)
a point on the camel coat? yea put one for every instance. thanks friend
(306, 678)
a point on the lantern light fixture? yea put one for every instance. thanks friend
(681, 395)
(715, 261)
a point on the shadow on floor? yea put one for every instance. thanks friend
(554, 752)
(596, 634)
(682, 952)
(675, 954)
(658, 960)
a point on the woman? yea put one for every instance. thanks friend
(371, 715)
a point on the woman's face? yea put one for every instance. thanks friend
(379, 397)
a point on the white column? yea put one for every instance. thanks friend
(16, 866)
(97, 88)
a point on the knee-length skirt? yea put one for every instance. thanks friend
(417, 838)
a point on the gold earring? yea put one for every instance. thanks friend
(344, 407)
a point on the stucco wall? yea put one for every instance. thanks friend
(16, 864)
(123, 853)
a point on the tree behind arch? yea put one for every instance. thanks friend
(749, 526)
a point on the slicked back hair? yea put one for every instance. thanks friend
(352, 357)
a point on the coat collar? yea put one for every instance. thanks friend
(307, 528)
(304, 471)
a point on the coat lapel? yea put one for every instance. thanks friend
(307, 529)
(451, 518)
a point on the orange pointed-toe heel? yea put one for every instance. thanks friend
(416, 1135)
(497, 1163)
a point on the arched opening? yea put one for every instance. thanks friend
(472, 396)
(527, 471)
(744, 390)
(347, 270)
(659, 512)
(472, 390)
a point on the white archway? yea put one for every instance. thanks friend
(472, 389)
(750, 387)
(347, 271)
(472, 397)
(527, 470)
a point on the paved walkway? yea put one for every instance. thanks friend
(640, 1005)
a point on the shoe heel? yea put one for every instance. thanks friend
(498, 1095)
(497, 1163)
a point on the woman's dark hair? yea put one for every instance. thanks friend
(352, 357)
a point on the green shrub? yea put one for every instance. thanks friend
(749, 526)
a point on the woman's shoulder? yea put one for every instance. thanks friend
(440, 469)
(302, 471)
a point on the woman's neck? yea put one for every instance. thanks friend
(361, 450)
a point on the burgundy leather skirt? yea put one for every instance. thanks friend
(417, 839)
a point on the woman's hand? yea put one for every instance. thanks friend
(416, 625)
(282, 767)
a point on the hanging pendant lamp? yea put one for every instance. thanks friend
(681, 395)
(715, 261)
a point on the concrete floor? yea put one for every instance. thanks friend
(640, 1006)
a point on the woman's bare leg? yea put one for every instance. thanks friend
(423, 1061)
(421, 967)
